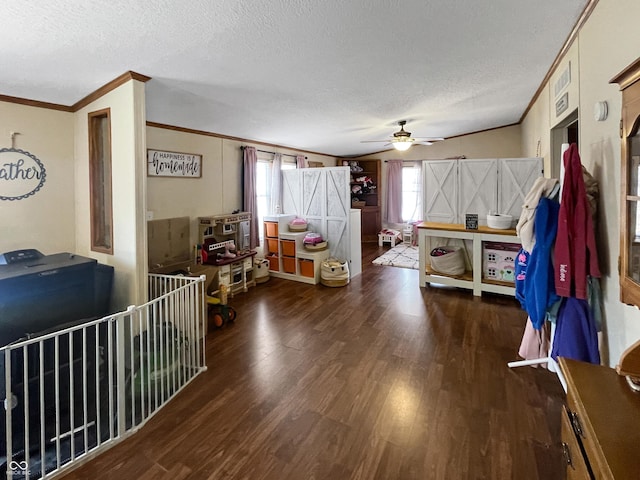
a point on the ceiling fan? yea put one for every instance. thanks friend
(402, 140)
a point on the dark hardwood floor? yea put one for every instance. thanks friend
(377, 380)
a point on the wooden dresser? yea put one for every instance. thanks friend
(600, 424)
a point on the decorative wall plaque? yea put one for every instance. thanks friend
(173, 164)
(21, 174)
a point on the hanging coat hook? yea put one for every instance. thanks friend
(13, 139)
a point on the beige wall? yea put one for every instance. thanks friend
(606, 44)
(128, 129)
(499, 143)
(43, 221)
(218, 191)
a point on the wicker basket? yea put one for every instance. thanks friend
(334, 273)
(358, 203)
(451, 263)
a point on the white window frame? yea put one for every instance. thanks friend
(263, 184)
(411, 192)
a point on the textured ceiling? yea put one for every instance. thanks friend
(316, 75)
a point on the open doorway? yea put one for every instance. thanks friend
(566, 131)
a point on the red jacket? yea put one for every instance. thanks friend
(575, 250)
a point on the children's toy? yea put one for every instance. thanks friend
(222, 313)
(388, 235)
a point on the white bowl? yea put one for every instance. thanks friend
(499, 221)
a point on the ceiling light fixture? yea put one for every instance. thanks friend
(402, 144)
(402, 140)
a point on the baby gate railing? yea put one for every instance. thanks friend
(72, 393)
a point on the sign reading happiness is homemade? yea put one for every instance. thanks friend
(173, 164)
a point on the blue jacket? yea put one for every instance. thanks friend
(539, 286)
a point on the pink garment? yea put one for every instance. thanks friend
(535, 343)
(575, 250)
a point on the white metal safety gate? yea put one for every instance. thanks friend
(75, 392)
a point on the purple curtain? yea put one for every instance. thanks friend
(394, 192)
(299, 161)
(249, 195)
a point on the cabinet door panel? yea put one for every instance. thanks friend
(291, 192)
(478, 188)
(313, 188)
(515, 178)
(440, 190)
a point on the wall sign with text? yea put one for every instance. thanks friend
(173, 164)
(21, 174)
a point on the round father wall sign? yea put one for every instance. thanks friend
(21, 174)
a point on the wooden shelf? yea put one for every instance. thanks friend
(371, 219)
(467, 276)
(472, 280)
(489, 281)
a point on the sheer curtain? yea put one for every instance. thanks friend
(300, 161)
(250, 203)
(394, 192)
(275, 190)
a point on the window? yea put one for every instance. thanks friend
(263, 185)
(100, 195)
(411, 192)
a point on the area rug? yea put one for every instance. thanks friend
(405, 256)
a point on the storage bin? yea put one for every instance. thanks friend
(261, 269)
(272, 245)
(306, 267)
(499, 221)
(334, 273)
(274, 263)
(270, 229)
(288, 265)
(448, 260)
(288, 248)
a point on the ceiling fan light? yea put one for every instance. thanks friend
(403, 145)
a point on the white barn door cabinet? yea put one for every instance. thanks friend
(322, 196)
(453, 188)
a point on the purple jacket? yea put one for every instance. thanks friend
(575, 335)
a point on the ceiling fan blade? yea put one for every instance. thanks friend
(374, 141)
(430, 139)
(423, 143)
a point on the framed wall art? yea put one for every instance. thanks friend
(173, 164)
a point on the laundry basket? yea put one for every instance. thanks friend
(448, 260)
(334, 273)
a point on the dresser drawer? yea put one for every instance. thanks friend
(577, 465)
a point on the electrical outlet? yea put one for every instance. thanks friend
(149, 215)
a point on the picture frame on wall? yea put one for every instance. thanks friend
(162, 163)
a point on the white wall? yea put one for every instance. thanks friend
(43, 221)
(606, 44)
(128, 128)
